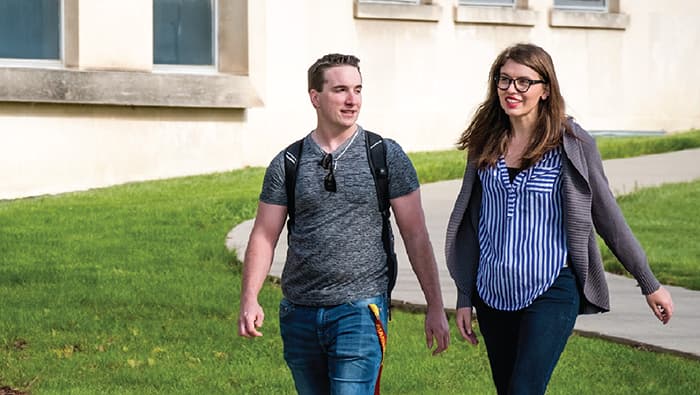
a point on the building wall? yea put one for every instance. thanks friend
(422, 82)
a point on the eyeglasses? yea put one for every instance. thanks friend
(521, 84)
(329, 180)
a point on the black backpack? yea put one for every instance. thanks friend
(376, 154)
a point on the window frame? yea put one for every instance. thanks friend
(196, 69)
(516, 14)
(409, 2)
(43, 63)
(487, 3)
(581, 5)
(589, 18)
(418, 10)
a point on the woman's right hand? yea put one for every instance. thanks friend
(464, 323)
(661, 304)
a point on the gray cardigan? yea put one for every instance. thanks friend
(589, 207)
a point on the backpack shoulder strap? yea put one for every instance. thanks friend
(376, 154)
(292, 156)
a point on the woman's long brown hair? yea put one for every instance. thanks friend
(487, 135)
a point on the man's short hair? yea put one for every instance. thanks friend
(317, 70)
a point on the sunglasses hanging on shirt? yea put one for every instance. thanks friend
(327, 163)
(329, 180)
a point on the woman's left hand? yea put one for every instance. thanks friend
(661, 304)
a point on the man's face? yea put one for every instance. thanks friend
(338, 104)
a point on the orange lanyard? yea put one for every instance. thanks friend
(381, 335)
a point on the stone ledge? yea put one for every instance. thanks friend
(495, 15)
(405, 12)
(588, 20)
(126, 88)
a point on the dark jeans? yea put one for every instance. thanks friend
(524, 345)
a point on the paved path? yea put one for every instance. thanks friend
(630, 320)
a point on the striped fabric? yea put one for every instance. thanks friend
(521, 232)
(583, 182)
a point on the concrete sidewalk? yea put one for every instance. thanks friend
(630, 319)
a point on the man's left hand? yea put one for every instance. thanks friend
(437, 330)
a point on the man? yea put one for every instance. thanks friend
(336, 266)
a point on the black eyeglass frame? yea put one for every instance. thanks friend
(514, 81)
(329, 183)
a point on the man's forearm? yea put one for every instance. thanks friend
(256, 266)
(420, 254)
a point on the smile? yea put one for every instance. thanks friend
(512, 102)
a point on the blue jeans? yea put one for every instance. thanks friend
(524, 345)
(334, 349)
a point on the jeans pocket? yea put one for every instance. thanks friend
(379, 300)
(362, 306)
(286, 308)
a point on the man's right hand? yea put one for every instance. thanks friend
(258, 257)
(250, 319)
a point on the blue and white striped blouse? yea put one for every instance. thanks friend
(521, 232)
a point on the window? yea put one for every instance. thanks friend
(495, 12)
(30, 29)
(591, 14)
(487, 2)
(392, 1)
(225, 84)
(589, 5)
(407, 10)
(183, 32)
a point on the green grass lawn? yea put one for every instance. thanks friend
(666, 220)
(447, 165)
(130, 290)
(626, 147)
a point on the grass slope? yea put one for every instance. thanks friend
(130, 290)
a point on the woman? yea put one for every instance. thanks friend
(520, 245)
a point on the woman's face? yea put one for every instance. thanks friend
(518, 105)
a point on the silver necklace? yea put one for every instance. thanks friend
(337, 158)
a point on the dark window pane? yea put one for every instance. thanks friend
(580, 3)
(487, 2)
(392, 1)
(29, 29)
(182, 32)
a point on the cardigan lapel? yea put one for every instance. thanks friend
(574, 151)
(577, 201)
(459, 213)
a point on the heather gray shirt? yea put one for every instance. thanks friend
(335, 253)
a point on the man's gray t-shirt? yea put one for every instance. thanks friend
(335, 253)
